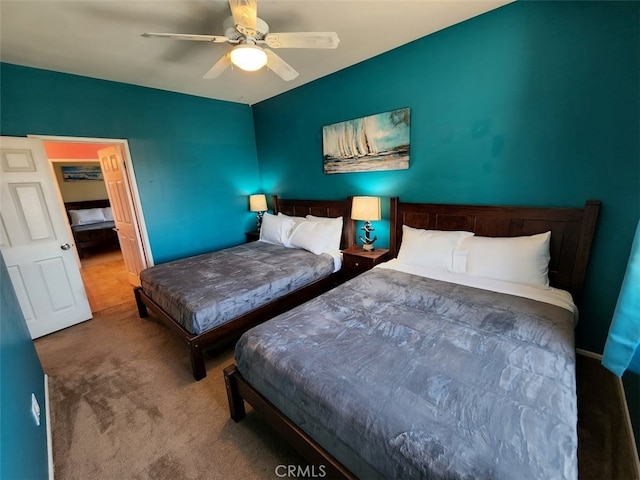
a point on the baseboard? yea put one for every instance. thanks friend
(589, 354)
(47, 406)
(625, 408)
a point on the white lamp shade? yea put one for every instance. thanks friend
(365, 208)
(248, 57)
(258, 203)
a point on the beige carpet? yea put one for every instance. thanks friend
(125, 406)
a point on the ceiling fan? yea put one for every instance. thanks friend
(249, 33)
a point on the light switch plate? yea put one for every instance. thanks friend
(35, 409)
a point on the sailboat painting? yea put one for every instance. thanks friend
(367, 144)
(81, 173)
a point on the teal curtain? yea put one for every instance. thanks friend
(622, 350)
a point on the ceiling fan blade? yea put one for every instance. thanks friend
(188, 36)
(279, 66)
(245, 16)
(302, 40)
(219, 67)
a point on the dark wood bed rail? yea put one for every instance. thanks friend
(572, 231)
(239, 391)
(197, 343)
(80, 205)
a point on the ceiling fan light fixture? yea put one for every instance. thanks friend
(248, 57)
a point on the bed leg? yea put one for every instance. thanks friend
(197, 361)
(236, 403)
(142, 308)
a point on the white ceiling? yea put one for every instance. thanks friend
(101, 38)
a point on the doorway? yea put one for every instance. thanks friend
(106, 276)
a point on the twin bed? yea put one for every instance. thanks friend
(454, 360)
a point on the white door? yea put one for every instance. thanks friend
(36, 242)
(123, 212)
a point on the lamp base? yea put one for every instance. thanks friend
(368, 247)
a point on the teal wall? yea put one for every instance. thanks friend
(194, 158)
(536, 103)
(23, 444)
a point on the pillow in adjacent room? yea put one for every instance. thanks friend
(108, 214)
(334, 230)
(522, 260)
(275, 229)
(86, 216)
(430, 248)
(315, 237)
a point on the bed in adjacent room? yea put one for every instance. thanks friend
(456, 359)
(209, 297)
(92, 225)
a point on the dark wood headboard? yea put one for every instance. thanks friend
(320, 208)
(572, 231)
(87, 204)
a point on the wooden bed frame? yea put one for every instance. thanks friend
(100, 238)
(572, 231)
(197, 343)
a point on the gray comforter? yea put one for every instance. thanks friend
(400, 376)
(208, 290)
(94, 226)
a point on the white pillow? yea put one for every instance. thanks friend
(511, 259)
(334, 230)
(315, 237)
(86, 216)
(296, 220)
(275, 229)
(430, 248)
(108, 214)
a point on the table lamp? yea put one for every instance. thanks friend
(366, 209)
(258, 203)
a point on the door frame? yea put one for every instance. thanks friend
(130, 178)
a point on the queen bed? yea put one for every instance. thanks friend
(446, 362)
(207, 298)
(92, 226)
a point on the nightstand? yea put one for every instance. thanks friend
(252, 236)
(356, 261)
